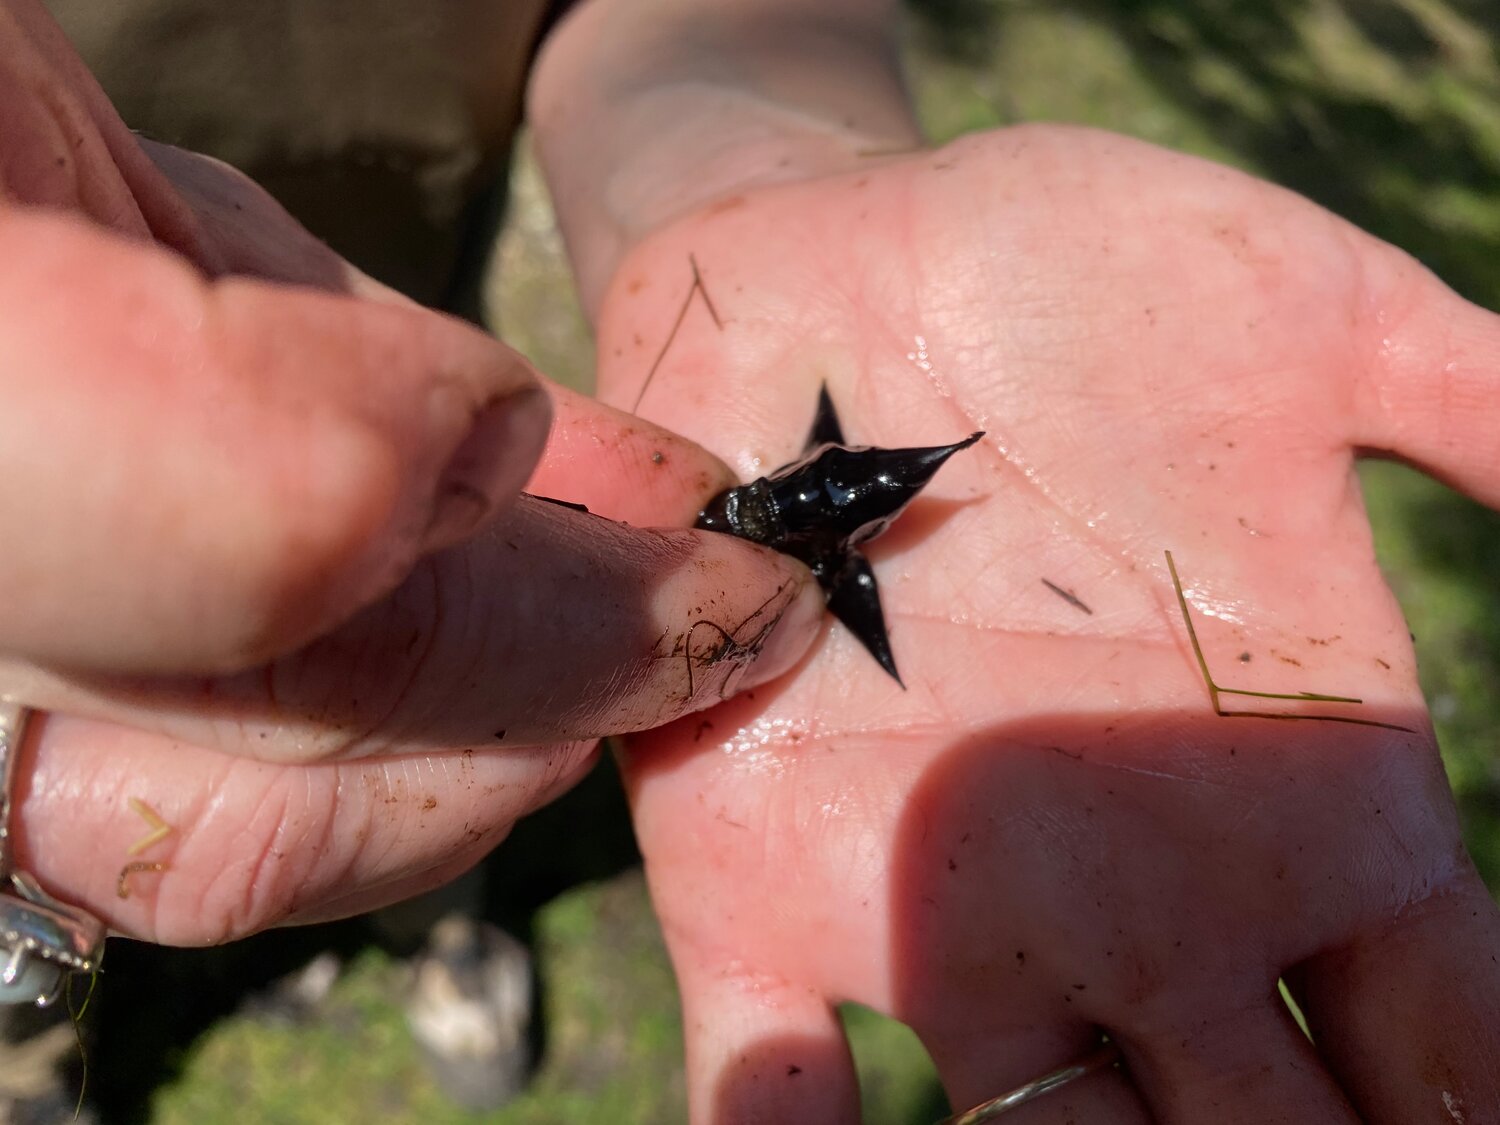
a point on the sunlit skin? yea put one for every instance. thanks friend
(1050, 832)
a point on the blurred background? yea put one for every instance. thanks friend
(1385, 111)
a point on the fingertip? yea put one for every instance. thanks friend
(738, 615)
(795, 631)
(624, 467)
(489, 466)
(463, 414)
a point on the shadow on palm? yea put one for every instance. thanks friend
(1151, 877)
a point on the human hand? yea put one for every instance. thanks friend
(1051, 833)
(264, 547)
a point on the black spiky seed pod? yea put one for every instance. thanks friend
(822, 508)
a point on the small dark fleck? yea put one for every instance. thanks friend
(1244, 658)
(1068, 596)
(500, 735)
(1020, 957)
(657, 458)
(792, 1070)
(954, 867)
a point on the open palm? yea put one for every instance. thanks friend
(1050, 832)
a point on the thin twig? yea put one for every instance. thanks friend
(83, 1052)
(696, 288)
(160, 829)
(122, 883)
(1215, 691)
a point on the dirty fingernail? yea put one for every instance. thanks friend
(800, 625)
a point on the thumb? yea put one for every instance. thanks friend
(196, 476)
(546, 626)
(1430, 393)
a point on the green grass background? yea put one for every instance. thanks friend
(1386, 111)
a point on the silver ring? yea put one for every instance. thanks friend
(42, 941)
(1105, 1057)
